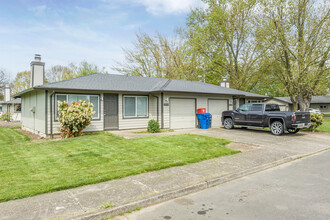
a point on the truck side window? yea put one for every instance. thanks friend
(256, 108)
(272, 108)
(244, 108)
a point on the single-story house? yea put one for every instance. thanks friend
(1, 106)
(321, 103)
(12, 106)
(125, 102)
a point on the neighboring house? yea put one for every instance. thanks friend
(321, 103)
(14, 108)
(125, 102)
(1, 107)
(11, 106)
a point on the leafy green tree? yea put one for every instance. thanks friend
(297, 33)
(21, 82)
(59, 73)
(226, 35)
(85, 68)
(162, 57)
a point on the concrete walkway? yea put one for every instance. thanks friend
(260, 150)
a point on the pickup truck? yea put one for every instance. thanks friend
(264, 115)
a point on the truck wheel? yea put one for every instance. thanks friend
(228, 123)
(293, 130)
(277, 128)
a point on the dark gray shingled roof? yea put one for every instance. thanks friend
(113, 82)
(14, 101)
(315, 99)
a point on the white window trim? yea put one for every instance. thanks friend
(67, 94)
(135, 96)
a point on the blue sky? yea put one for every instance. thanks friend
(64, 31)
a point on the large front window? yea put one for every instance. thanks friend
(69, 98)
(135, 106)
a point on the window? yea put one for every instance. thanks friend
(272, 108)
(78, 97)
(256, 108)
(135, 106)
(0, 108)
(254, 101)
(323, 107)
(17, 108)
(244, 108)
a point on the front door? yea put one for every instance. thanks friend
(110, 111)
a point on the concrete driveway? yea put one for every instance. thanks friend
(291, 144)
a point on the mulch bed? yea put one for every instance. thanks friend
(4, 124)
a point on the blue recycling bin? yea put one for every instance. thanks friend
(204, 120)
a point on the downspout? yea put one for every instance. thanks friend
(51, 114)
(162, 110)
(46, 112)
(157, 106)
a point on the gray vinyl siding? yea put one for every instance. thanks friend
(35, 122)
(201, 102)
(96, 124)
(37, 98)
(132, 123)
(317, 106)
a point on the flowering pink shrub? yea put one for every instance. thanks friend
(74, 118)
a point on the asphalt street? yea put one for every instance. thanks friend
(296, 190)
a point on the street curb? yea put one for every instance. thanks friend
(172, 194)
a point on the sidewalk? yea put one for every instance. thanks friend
(117, 196)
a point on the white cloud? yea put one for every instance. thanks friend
(38, 10)
(169, 6)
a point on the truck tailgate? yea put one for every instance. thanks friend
(303, 117)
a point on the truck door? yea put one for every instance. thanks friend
(240, 115)
(255, 116)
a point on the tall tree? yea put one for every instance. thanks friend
(226, 35)
(297, 32)
(162, 57)
(59, 73)
(4, 79)
(85, 68)
(21, 82)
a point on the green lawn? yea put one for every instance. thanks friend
(31, 168)
(325, 127)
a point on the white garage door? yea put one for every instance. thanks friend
(182, 113)
(216, 107)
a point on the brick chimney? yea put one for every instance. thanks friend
(37, 71)
(7, 93)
